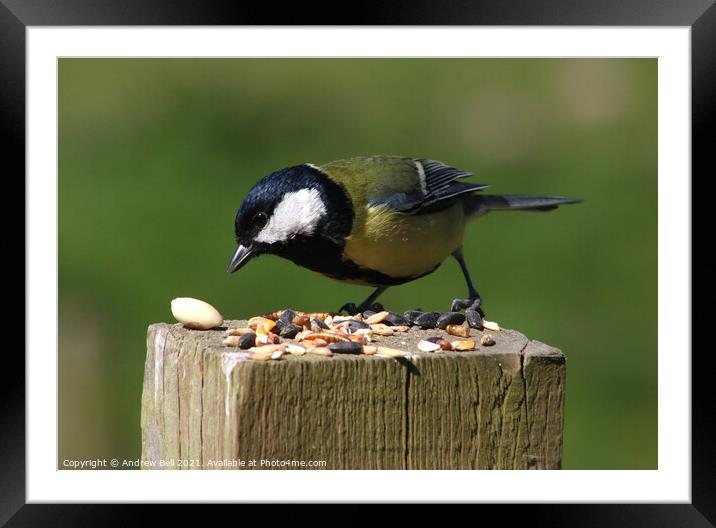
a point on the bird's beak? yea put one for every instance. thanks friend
(241, 256)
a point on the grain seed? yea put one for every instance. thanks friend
(444, 343)
(365, 333)
(487, 340)
(261, 325)
(377, 318)
(461, 330)
(381, 329)
(490, 325)
(302, 320)
(295, 350)
(232, 330)
(428, 346)
(320, 351)
(266, 352)
(231, 341)
(258, 355)
(462, 345)
(390, 352)
(356, 339)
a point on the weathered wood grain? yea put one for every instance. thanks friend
(208, 406)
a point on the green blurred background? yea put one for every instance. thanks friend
(156, 155)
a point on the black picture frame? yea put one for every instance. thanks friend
(700, 15)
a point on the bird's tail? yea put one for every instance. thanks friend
(480, 204)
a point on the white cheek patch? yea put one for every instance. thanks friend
(298, 213)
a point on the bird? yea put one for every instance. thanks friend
(378, 221)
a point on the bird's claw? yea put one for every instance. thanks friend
(351, 309)
(467, 304)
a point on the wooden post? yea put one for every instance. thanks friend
(208, 406)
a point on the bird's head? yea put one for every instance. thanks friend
(290, 212)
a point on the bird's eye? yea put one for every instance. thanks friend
(260, 219)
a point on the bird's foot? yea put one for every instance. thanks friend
(375, 307)
(352, 309)
(467, 304)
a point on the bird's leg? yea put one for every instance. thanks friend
(352, 309)
(473, 301)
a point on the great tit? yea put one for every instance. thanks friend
(377, 221)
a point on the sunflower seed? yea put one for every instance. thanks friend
(450, 318)
(428, 319)
(474, 319)
(317, 325)
(354, 326)
(287, 316)
(394, 319)
(246, 341)
(345, 347)
(290, 331)
(411, 315)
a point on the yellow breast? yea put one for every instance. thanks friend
(403, 245)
